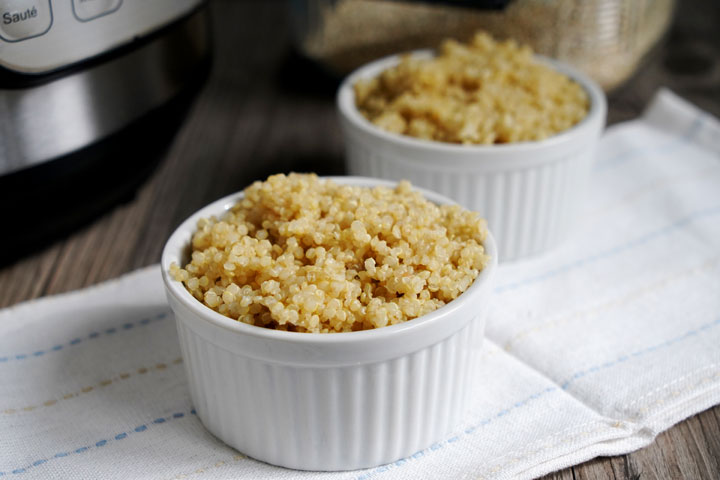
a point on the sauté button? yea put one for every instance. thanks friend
(89, 9)
(23, 19)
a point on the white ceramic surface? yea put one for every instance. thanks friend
(328, 401)
(529, 191)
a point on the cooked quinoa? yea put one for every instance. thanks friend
(305, 254)
(482, 92)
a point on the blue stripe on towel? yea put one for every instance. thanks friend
(505, 412)
(100, 443)
(78, 340)
(634, 243)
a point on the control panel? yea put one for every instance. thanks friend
(38, 36)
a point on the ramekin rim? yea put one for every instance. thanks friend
(345, 97)
(171, 253)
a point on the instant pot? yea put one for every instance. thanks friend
(91, 91)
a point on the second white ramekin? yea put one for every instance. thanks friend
(337, 401)
(529, 191)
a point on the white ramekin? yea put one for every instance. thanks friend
(337, 401)
(529, 191)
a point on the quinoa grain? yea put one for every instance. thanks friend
(304, 254)
(482, 92)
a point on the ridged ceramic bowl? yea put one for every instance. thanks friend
(338, 401)
(528, 191)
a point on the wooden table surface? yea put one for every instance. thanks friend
(251, 120)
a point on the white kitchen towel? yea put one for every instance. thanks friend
(592, 349)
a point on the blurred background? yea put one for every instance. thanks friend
(211, 95)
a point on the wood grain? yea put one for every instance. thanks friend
(260, 114)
